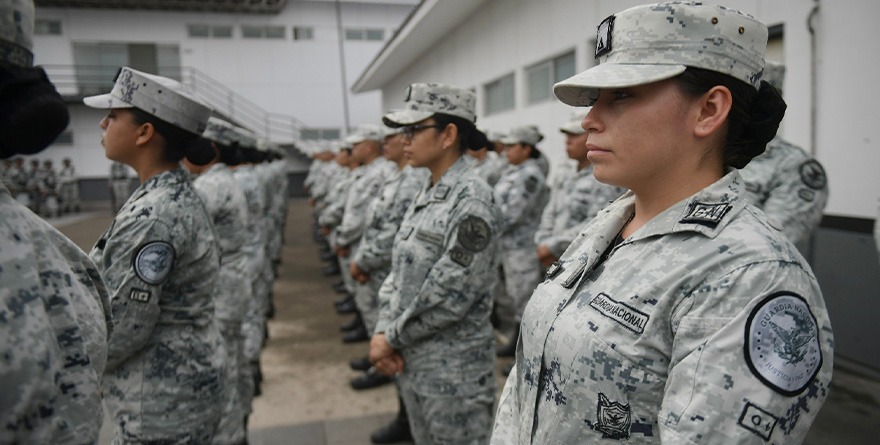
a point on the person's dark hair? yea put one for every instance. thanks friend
(467, 131)
(229, 154)
(479, 141)
(252, 155)
(534, 153)
(754, 117)
(179, 143)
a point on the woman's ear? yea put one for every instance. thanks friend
(448, 135)
(145, 133)
(715, 106)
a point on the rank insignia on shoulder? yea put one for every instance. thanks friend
(555, 269)
(758, 421)
(708, 215)
(139, 295)
(153, 262)
(781, 344)
(441, 191)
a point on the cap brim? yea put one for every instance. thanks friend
(581, 89)
(105, 101)
(572, 129)
(402, 118)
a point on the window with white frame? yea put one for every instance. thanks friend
(541, 77)
(47, 27)
(371, 34)
(303, 33)
(500, 95)
(204, 31)
(263, 32)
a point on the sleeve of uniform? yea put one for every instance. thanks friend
(798, 198)
(751, 359)
(385, 292)
(373, 255)
(559, 242)
(548, 217)
(521, 198)
(506, 426)
(449, 288)
(352, 225)
(332, 215)
(140, 255)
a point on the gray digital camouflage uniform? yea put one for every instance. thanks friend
(382, 220)
(53, 333)
(363, 190)
(522, 194)
(435, 308)
(705, 326)
(790, 187)
(578, 199)
(254, 250)
(226, 204)
(333, 215)
(160, 261)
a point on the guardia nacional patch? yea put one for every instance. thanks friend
(813, 175)
(153, 262)
(474, 233)
(782, 343)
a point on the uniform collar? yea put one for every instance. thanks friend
(442, 190)
(165, 179)
(706, 212)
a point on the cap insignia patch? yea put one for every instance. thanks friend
(603, 37)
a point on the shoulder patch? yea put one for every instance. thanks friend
(139, 295)
(153, 262)
(782, 343)
(807, 195)
(474, 233)
(706, 214)
(461, 256)
(531, 184)
(813, 174)
(612, 418)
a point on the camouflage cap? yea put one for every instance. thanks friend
(573, 126)
(650, 43)
(425, 99)
(245, 137)
(495, 136)
(392, 131)
(16, 32)
(774, 73)
(527, 134)
(220, 131)
(367, 132)
(165, 98)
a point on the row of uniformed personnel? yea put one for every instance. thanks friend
(680, 312)
(41, 188)
(163, 322)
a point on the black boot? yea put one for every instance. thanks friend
(339, 288)
(258, 378)
(394, 432)
(346, 308)
(369, 379)
(360, 364)
(357, 335)
(509, 350)
(353, 324)
(330, 270)
(344, 300)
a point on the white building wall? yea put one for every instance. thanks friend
(300, 78)
(505, 36)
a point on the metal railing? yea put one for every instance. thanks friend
(77, 81)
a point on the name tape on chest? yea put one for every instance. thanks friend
(782, 343)
(153, 262)
(622, 313)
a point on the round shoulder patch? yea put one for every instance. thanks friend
(782, 343)
(153, 262)
(813, 175)
(474, 233)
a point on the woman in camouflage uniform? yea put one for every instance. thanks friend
(680, 314)
(433, 329)
(160, 261)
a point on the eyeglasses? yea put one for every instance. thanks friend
(411, 130)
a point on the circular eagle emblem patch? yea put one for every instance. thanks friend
(813, 175)
(474, 233)
(782, 343)
(153, 262)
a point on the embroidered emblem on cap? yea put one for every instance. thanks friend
(782, 343)
(758, 420)
(473, 233)
(813, 175)
(603, 36)
(139, 295)
(153, 262)
(622, 313)
(706, 214)
(612, 418)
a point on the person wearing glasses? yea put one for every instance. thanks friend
(160, 259)
(522, 193)
(433, 329)
(681, 313)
